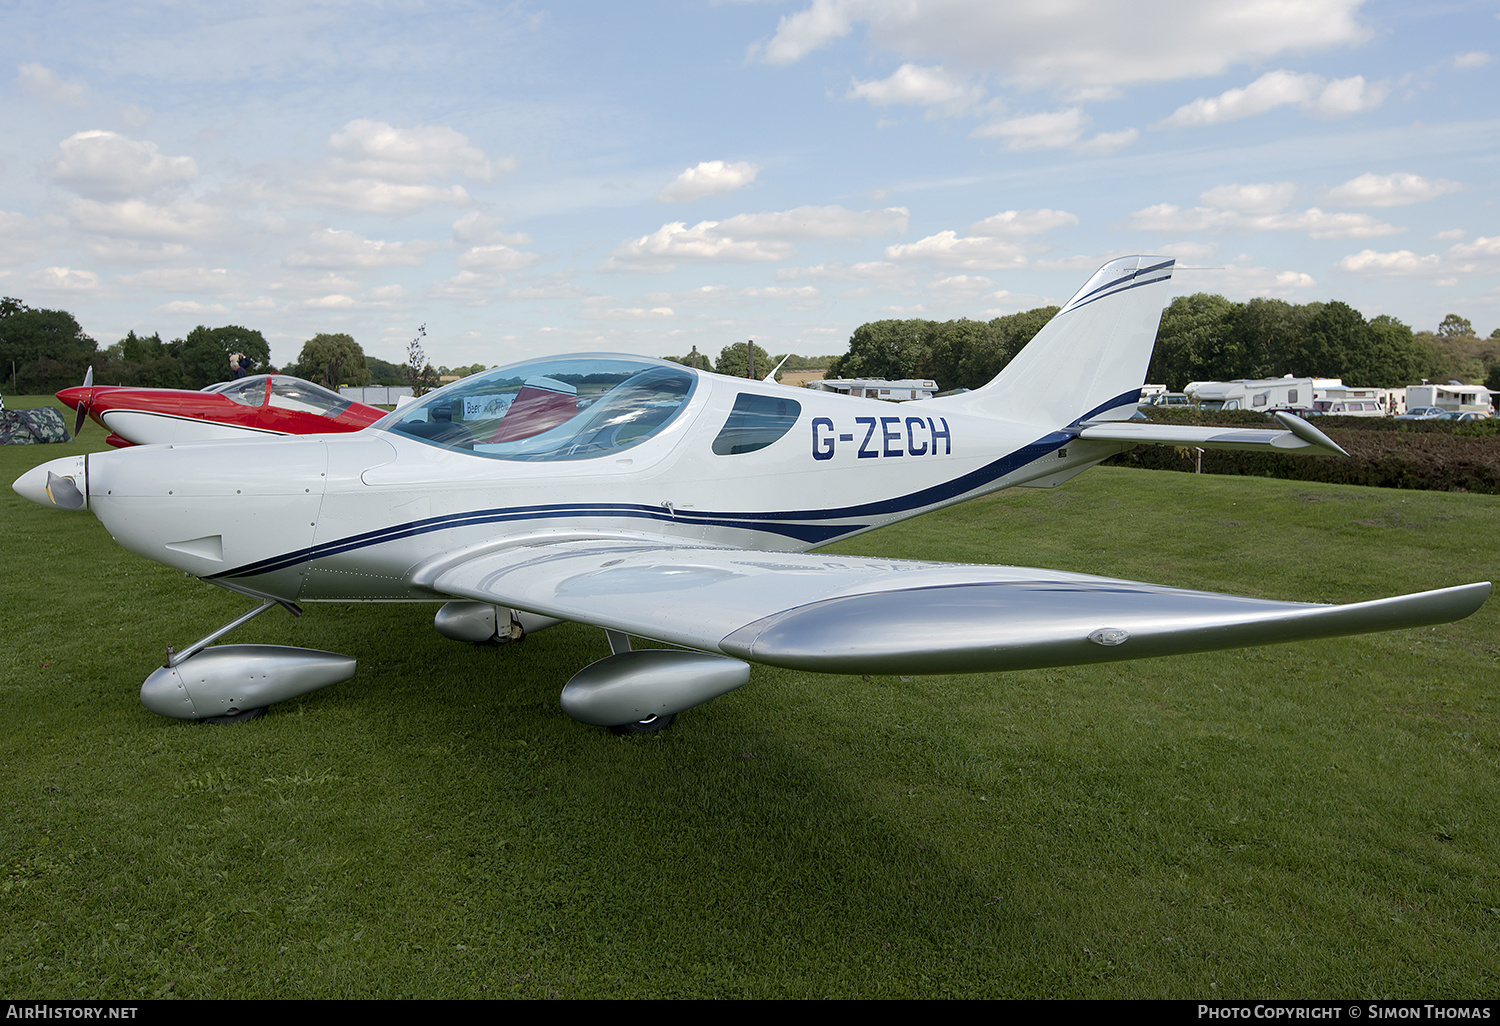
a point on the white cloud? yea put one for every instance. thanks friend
(555, 286)
(63, 279)
(1401, 263)
(19, 239)
(1108, 142)
(333, 302)
(1022, 222)
(765, 236)
(476, 229)
(1258, 198)
(495, 258)
(1313, 93)
(997, 242)
(709, 178)
(1037, 131)
(387, 294)
(45, 84)
(317, 284)
(378, 169)
(880, 271)
(676, 241)
(134, 252)
(470, 288)
(919, 86)
(1086, 43)
(1344, 96)
(1241, 277)
(961, 284)
(375, 197)
(104, 165)
(333, 248)
(374, 149)
(182, 279)
(1397, 190)
(1482, 256)
(948, 248)
(1166, 217)
(1475, 59)
(1321, 225)
(817, 223)
(1480, 247)
(595, 310)
(138, 219)
(189, 306)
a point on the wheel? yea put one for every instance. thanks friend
(650, 725)
(243, 716)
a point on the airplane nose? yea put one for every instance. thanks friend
(60, 484)
(71, 397)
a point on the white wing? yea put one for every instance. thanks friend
(848, 614)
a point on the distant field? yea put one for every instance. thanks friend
(1320, 819)
(802, 377)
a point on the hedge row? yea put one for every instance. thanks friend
(1488, 428)
(1431, 459)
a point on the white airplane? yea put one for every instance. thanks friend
(659, 502)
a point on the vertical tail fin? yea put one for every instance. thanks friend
(1090, 360)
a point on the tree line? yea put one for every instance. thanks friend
(1203, 337)
(736, 361)
(44, 351)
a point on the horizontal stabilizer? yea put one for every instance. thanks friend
(850, 614)
(1300, 437)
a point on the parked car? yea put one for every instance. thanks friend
(1423, 413)
(1170, 400)
(1466, 416)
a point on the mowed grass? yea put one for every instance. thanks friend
(1305, 820)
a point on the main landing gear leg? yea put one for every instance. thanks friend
(619, 643)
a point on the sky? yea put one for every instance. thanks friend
(532, 179)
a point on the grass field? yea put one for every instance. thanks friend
(1312, 820)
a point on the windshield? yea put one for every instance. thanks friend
(572, 408)
(287, 393)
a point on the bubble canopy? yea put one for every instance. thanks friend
(567, 408)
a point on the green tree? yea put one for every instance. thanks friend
(1391, 356)
(48, 347)
(383, 373)
(694, 359)
(1196, 341)
(204, 355)
(947, 347)
(1450, 358)
(734, 360)
(418, 372)
(885, 349)
(1454, 325)
(1267, 337)
(141, 349)
(332, 359)
(1334, 343)
(1002, 339)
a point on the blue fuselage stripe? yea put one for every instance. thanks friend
(810, 526)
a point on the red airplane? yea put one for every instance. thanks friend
(264, 404)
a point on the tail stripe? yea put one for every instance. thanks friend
(1120, 285)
